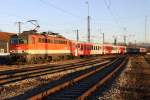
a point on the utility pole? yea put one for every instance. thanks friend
(145, 27)
(19, 27)
(103, 38)
(135, 43)
(115, 40)
(103, 44)
(88, 22)
(124, 38)
(77, 34)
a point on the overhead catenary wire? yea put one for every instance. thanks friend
(58, 8)
(108, 4)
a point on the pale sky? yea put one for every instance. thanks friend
(113, 17)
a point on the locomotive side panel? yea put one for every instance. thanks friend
(49, 47)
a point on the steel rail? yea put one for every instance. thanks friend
(68, 83)
(101, 82)
(15, 78)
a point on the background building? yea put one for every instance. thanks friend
(4, 42)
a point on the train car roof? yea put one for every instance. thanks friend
(50, 34)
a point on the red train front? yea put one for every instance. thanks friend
(34, 46)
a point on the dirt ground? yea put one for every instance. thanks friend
(133, 83)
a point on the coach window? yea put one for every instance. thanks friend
(57, 42)
(60, 41)
(54, 41)
(40, 40)
(65, 42)
(99, 48)
(43, 40)
(48, 40)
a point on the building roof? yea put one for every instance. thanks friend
(5, 36)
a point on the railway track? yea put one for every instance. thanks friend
(10, 76)
(77, 85)
(147, 58)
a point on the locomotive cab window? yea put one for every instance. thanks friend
(14, 40)
(22, 41)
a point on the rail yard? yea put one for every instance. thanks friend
(47, 53)
(50, 66)
(103, 77)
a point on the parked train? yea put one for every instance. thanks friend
(32, 46)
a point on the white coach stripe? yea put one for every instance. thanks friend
(47, 51)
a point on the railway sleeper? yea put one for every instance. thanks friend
(82, 87)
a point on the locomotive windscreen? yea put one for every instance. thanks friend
(14, 39)
(18, 40)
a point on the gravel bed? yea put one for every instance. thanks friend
(132, 84)
(20, 87)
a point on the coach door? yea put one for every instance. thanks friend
(34, 49)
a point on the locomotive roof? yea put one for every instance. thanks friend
(51, 34)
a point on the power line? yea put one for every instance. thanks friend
(111, 13)
(58, 8)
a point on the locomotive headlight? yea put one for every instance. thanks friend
(12, 51)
